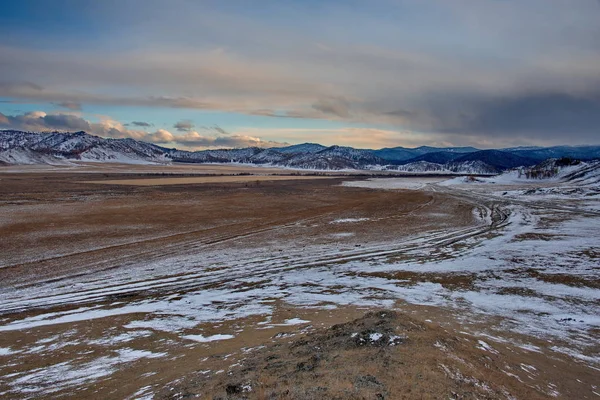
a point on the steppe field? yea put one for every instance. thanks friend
(230, 282)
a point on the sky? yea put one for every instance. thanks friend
(368, 74)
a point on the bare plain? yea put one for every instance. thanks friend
(117, 282)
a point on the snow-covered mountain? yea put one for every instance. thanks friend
(420, 167)
(585, 153)
(301, 148)
(335, 158)
(403, 154)
(307, 156)
(455, 167)
(214, 156)
(563, 170)
(54, 148)
(18, 147)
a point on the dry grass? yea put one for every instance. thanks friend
(564, 279)
(423, 362)
(255, 179)
(58, 226)
(451, 281)
(55, 225)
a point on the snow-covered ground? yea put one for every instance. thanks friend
(534, 265)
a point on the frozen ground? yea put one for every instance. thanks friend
(528, 266)
(394, 183)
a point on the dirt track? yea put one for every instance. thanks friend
(154, 265)
(59, 224)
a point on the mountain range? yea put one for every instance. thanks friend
(17, 147)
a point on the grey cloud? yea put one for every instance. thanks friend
(7, 86)
(215, 129)
(35, 121)
(32, 86)
(141, 124)
(531, 117)
(300, 114)
(24, 92)
(400, 113)
(184, 126)
(220, 130)
(71, 105)
(543, 115)
(334, 105)
(65, 121)
(264, 112)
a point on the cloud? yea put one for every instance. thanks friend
(215, 129)
(353, 84)
(534, 117)
(20, 85)
(337, 106)
(455, 67)
(141, 124)
(220, 130)
(71, 105)
(196, 140)
(546, 115)
(160, 136)
(39, 121)
(184, 126)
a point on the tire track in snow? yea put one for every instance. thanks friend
(273, 266)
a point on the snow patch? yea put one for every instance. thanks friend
(6, 351)
(348, 220)
(374, 337)
(61, 376)
(206, 339)
(486, 347)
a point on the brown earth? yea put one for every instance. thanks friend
(385, 355)
(58, 224)
(57, 227)
(256, 179)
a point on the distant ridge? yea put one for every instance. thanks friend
(17, 147)
(301, 148)
(405, 154)
(498, 158)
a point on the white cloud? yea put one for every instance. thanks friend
(196, 140)
(160, 136)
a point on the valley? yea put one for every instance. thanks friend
(119, 290)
